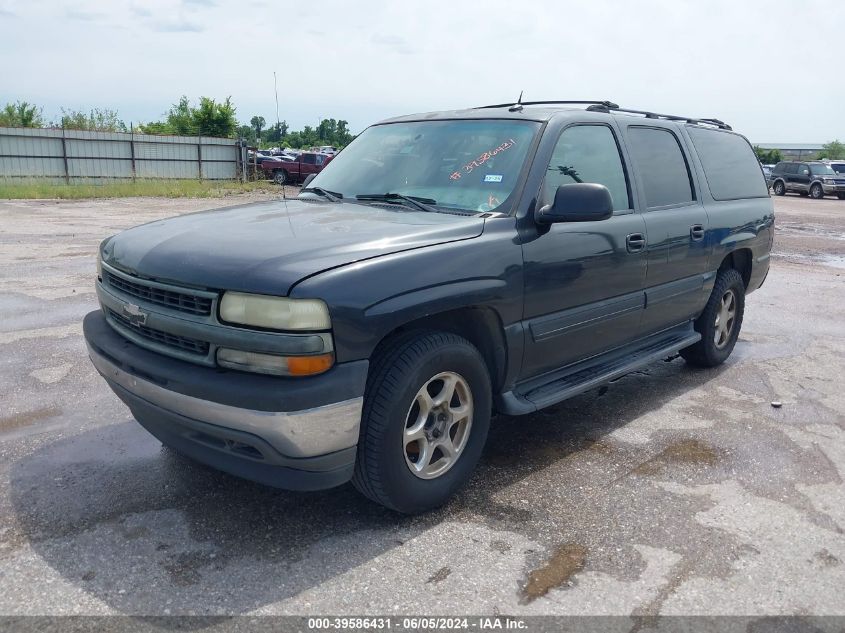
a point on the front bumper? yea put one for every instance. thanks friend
(295, 433)
(833, 189)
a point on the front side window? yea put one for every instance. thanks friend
(469, 165)
(587, 153)
(661, 165)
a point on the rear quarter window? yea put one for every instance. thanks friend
(730, 166)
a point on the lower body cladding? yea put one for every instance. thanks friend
(293, 433)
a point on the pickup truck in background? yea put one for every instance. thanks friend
(286, 172)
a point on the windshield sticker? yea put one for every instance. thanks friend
(493, 178)
(483, 158)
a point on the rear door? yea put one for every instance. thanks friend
(676, 225)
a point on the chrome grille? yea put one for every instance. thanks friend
(190, 345)
(181, 301)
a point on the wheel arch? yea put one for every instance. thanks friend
(480, 325)
(740, 260)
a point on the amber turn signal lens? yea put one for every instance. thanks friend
(309, 365)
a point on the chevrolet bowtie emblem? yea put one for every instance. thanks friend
(134, 314)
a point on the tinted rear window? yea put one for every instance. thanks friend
(730, 166)
(792, 168)
(662, 166)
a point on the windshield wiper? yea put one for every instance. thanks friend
(415, 201)
(331, 196)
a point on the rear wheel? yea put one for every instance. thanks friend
(280, 177)
(779, 188)
(816, 191)
(720, 322)
(425, 421)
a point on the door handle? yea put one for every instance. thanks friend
(635, 242)
(696, 232)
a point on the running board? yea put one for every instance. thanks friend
(564, 383)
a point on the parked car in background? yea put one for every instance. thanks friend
(327, 149)
(767, 171)
(295, 170)
(838, 166)
(813, 178)
(259, 157)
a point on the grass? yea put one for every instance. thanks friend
(32, 189)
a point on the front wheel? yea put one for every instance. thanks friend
(720, 322)
(841, 196)
(425, 421)
(779, 188)
(816, 192)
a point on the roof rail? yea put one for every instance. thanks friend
(514, 107)
(607, 106)
(669, 117)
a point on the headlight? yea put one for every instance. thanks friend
(275, 313)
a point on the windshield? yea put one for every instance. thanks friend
(466, 165)
(820, 170)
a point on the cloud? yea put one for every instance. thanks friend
(5, 13)
(393, 42)
(85, 16)
(179, 26)
(141, 12)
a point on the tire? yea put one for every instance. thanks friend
(816, 192)
(715, 345)
(280, 177)
(392, 409)
(779, 188)
(841, 196)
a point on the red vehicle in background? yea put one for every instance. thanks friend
(287, 172)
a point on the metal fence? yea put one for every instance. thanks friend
(77, 156)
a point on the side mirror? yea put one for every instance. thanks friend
(308, 180)
(579, 202)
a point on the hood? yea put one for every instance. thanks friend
(267, 247)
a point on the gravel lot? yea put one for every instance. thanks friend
(672, 491)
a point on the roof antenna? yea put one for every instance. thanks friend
(517, 107)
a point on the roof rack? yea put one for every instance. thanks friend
(669, 117)
(515, 107)
(607, 106)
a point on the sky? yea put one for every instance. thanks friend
(771, 69)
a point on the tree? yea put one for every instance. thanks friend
(246, 132)
(208, 119)
(768, 156)
(257, 123)
(833, 150)
(215, 119)
(96, 120)
(21, 114)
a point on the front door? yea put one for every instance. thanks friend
(676, 227)
(584, 280)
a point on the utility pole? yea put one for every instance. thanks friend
(276, 88)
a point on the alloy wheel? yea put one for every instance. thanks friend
(725, 318)
(438, 425)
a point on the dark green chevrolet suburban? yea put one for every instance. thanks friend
(442, 267)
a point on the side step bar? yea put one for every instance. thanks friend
(565, 383)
